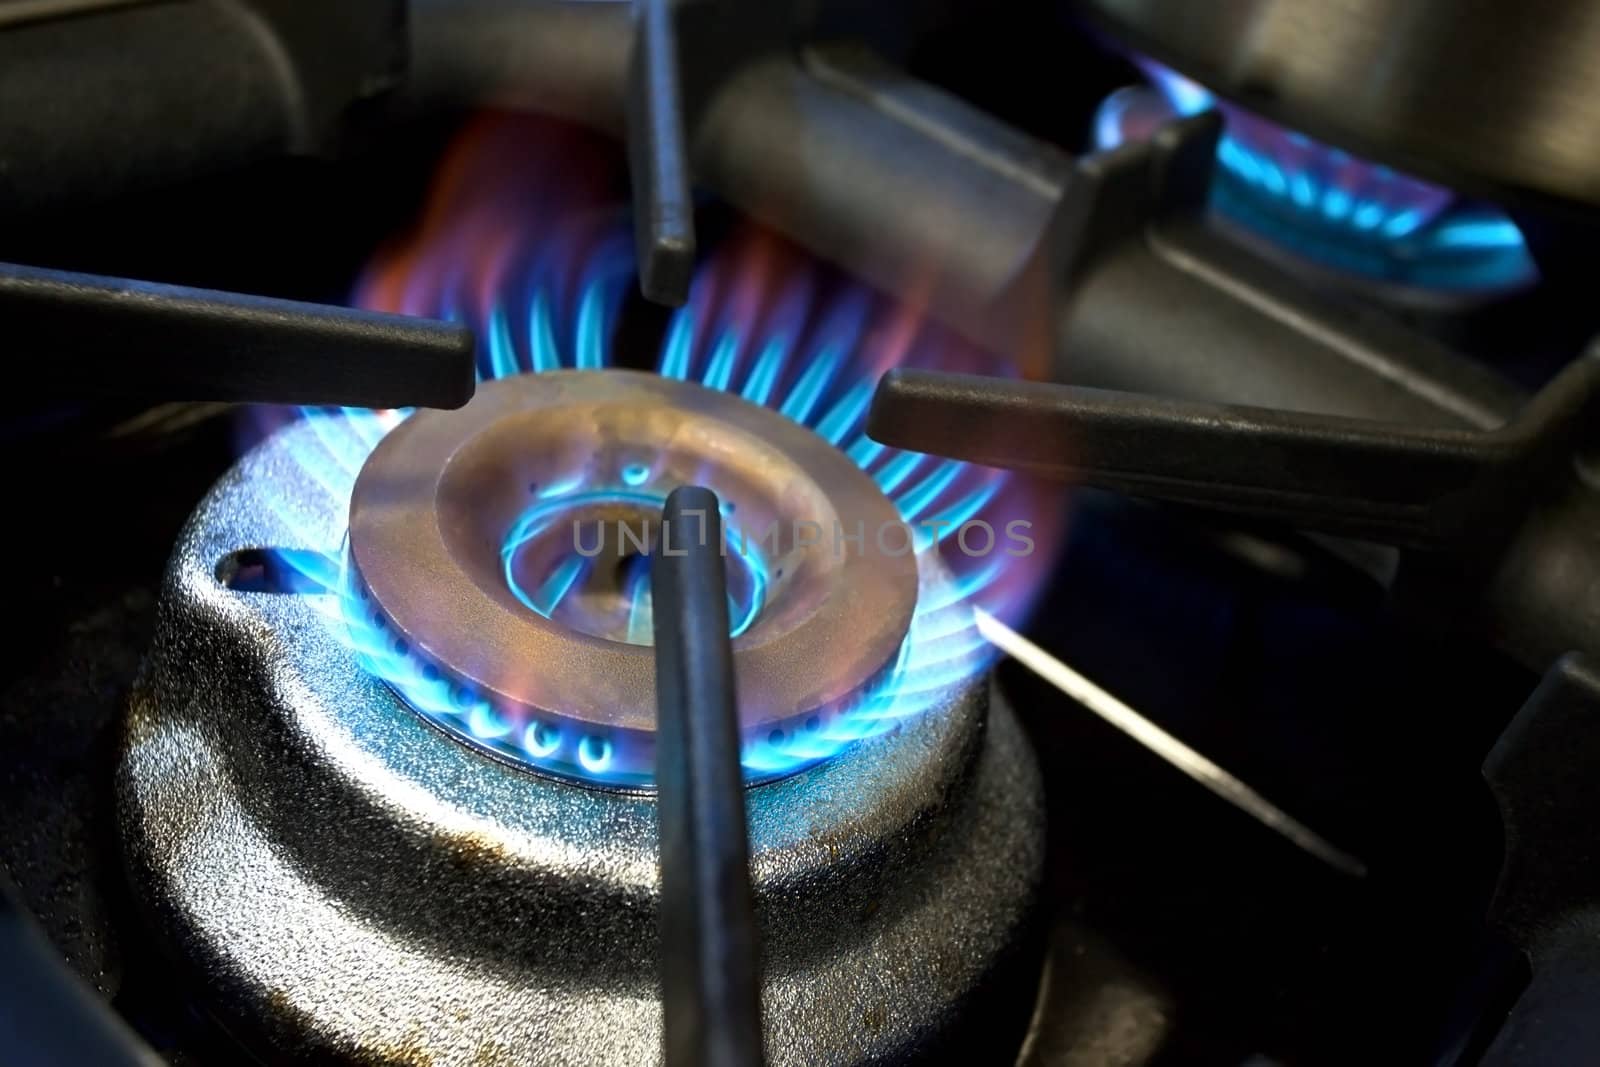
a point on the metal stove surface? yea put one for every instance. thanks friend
(1179, 931)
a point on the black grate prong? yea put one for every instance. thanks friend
(658, 157)
(710, 986)
(1412, 486)
(78, 336)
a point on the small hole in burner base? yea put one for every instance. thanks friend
(273, 570)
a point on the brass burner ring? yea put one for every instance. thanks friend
(432, 507)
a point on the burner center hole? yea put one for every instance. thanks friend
(632, 568)
(585, 562)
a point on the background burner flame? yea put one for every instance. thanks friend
(515, 243)
(1324, 204)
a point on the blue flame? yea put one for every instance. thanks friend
(1331, 208)
(810, 360)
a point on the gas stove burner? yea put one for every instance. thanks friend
(502, 546)
(1334, 210)
(353, 885)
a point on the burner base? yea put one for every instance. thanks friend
(350, 881)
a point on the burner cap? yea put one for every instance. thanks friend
(506, 545)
